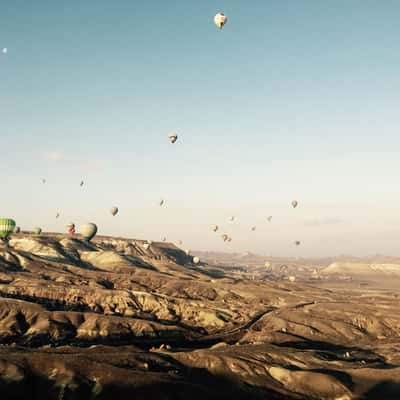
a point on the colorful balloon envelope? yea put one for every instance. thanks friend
(7, 227)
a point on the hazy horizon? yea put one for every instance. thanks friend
(288, 101)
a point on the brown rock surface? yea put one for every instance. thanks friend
(114, 320)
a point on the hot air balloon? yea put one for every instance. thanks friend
(297, 242)
(180, 243)
(43, 181)
(150, 242)
(225, 237)
(294, 203)
(146, 246)
(187, 252)
(196, 260)
(253, 228)
(229, 239)
(220, 20)
(164, 239)
(4, 50)
(214, 228)
(283, 269)
(269, 218)
(88, 231)
(71, 229)
(17, 229)
(232, 218)
(57, 215)
(82, 183)
(172, 137)
(292, 278)
(114, 211)
(7, 227)
(162, 202)
(267, 265)
(37, 230)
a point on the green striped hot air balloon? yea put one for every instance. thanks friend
(6, 228)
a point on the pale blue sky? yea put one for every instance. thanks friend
(292, 99)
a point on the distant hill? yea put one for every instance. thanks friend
(362, 269)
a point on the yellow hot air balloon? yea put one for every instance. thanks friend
(37, 230)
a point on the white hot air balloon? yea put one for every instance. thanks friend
(187, 252)
(294, 203)
(196, 260)
(269, 218)
(173, 137)
(88, 231)
(220, 20)
(114, 211)
(70, 225)
(231, 218)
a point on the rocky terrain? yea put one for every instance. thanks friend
(112, 319)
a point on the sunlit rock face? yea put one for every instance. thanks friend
(113, 319)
